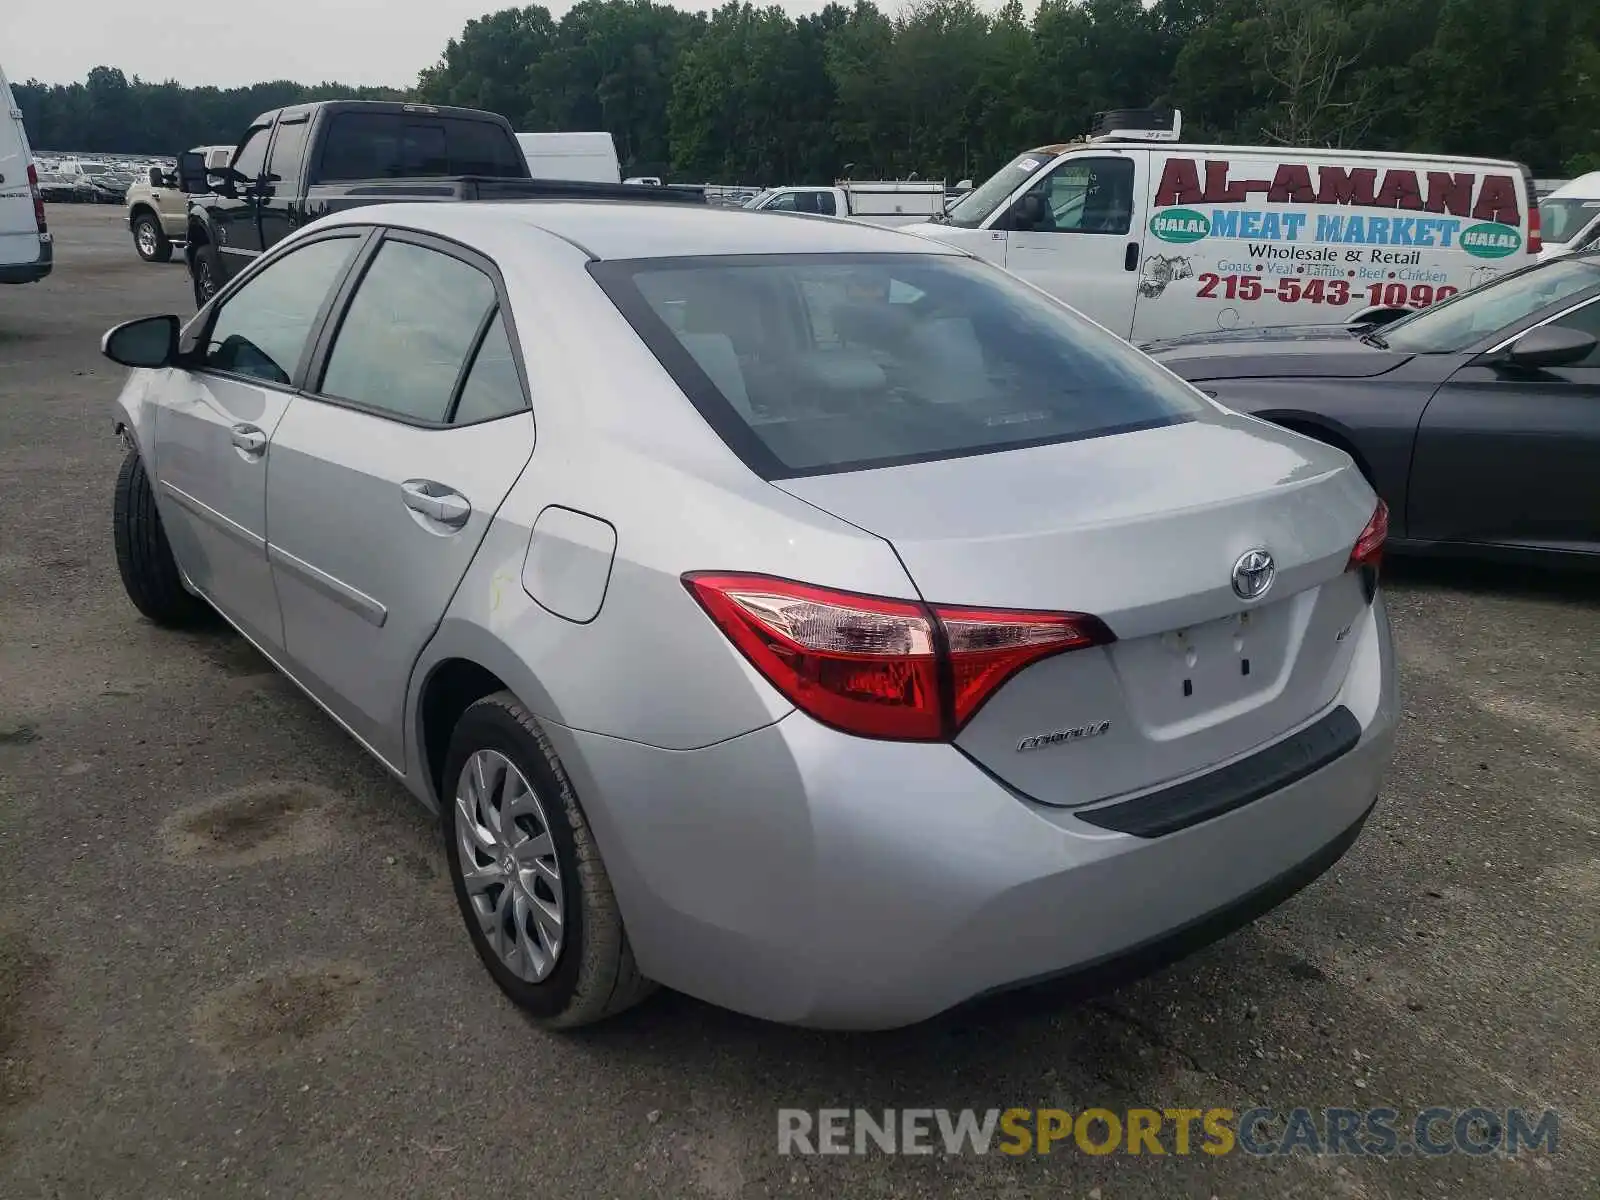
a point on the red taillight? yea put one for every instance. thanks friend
(1367, 556)
(880, 667)
(38, 199)
(1535, 229)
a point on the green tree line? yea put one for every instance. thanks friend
(948, 89)
(111, 114)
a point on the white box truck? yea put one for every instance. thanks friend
(585, 157)
(1155, 238)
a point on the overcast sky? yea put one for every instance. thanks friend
(351, 41)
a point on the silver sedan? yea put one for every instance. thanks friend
(799, 614)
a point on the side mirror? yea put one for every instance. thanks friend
(157, 178)
(191, 173)
(1551, 346)
(148, 342)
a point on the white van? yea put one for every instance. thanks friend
(26, 249)
(1570, 216)
(585, 157)
(1156, 239)
(890, 202)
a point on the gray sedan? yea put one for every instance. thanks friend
(1478, 419)
(802, 615)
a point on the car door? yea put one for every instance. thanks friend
(1076, 233)
(385, 476)
(235, 218)
(217, 415)
(1511, 456)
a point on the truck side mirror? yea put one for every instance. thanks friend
(192, 173)
(157, 179)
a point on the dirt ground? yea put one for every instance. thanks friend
(230, 963)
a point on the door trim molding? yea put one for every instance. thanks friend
(212, 517)
(341, 593)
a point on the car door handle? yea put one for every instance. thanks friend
(436, 502)
(249, 439)
(1130, 260)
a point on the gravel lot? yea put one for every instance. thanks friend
(230, 963)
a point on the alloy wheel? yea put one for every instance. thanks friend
(146, 237)
(509, 865)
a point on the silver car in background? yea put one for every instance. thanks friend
(799, 614)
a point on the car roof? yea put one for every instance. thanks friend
(611, 229)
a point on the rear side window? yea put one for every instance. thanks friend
(807, 364)
(492, 387)
(364, 145)
(414, 321)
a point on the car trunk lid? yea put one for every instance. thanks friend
(1142, 530)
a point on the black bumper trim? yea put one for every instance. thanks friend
(1100, 975)
(30, 272)
(1233, 786)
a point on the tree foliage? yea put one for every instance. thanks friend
(951, 88)
(111, 114)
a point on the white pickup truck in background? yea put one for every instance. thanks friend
(892, 202)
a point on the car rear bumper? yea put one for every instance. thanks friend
(802, 875)
(30, 271)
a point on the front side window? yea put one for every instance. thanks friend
(1082, 195)
(252, 157)
(261, 329)
(815, 363)
(410, 328)
(784, 202)
(289, 150)
(1469, 318)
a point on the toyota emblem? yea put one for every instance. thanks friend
(1253, 574)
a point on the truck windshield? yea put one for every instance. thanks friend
(974, 208)
(368, 145)
(1466, 319)
(814, 363)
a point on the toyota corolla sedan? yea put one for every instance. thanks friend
(799, 614)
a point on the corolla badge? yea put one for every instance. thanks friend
(1253, 574)
(1076, 734)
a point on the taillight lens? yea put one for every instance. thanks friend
(880, 667)
(1535, 229)
(1367, 556)
(38, 198)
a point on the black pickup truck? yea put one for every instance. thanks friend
(296, 164)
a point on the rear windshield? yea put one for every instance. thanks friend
(809, 364)
(366, 145)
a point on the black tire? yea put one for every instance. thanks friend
(144, 559)
(161, 245)
(595, 975)
(205, 270)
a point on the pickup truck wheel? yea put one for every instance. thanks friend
(206, 268)
(144, 557)
(149, 241)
